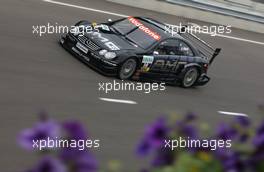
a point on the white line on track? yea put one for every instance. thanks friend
(122, 15)
(240, 39)
(232, 113)
(85, 8)
(118, 100)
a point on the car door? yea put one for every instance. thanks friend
(167, 58)
(163, 54)
(172, 64)
(153, 63)
(163, 61)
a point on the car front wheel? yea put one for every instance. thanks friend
(127, 69)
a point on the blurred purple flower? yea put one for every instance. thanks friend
(164, 157)
(260, 129)
(144, 147)
(189, 131)
(223, 153)
(258, 141)
(226, 132)
(86, 163)
(242, 133)
(81, 161)
(244, 137)
(233, 163)
(186, 130)
(75, 130)
(69, 154)
(257, 157)
(243, 121)
(190, 117)
(49, 164)
(154, 137)
(157, 132)
(41, 131)
(230, 160)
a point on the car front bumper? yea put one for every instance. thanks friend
(91, 58)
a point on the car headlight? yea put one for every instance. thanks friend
(110, 55)
(102, 52)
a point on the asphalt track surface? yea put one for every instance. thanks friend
(36, 73)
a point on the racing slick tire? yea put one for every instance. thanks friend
(190, 76)
(127, 69)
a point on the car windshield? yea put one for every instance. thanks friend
(136, 32)
(141, 38)
(124, 26)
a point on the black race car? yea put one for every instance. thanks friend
(141, 48)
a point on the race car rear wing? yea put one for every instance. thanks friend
(204, 48)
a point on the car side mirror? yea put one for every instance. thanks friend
(155, 53)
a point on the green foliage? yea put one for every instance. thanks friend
(187, 162)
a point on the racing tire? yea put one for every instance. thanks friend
(127, 69)
(190, 76)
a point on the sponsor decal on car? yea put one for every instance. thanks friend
(144, 28)
(106, 41)
(147, 61)
(167, 65)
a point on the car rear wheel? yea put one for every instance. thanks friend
(190, 76)
(127, 69)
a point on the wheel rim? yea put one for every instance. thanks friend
(128, 69)
(190, 77)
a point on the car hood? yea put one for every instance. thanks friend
(111, 41)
